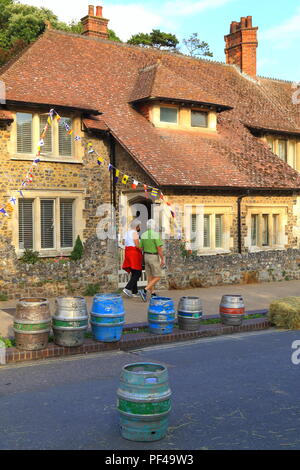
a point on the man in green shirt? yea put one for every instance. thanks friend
(151, 245)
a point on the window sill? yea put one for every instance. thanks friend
(48, 253)
(43, 158)
(209, 252)
(255, 249)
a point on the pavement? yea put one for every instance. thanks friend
(256, 297)
(239, 392)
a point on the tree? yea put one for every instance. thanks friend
(196, 47)
(78, 249)
(156, 38)
(112, 36)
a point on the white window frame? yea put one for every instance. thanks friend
(260, 211)
(77, 153)
(226, 216)
(37, 196)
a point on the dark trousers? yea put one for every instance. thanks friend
(132, 284)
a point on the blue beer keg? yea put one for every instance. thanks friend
(107, 317)
(161, 315)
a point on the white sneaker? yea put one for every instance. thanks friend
(128, 292)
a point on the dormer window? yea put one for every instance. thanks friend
(282, 149)
(169, 115)
(199, 119)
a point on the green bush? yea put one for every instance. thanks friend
(91, 290)
(8, 342)
(3, 297)
(30, 257)
(77, 252)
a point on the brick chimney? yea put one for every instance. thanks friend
(241, 45)
(94, 24)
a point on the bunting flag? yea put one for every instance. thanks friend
(117, 174)
(146, 190)
(154, 192)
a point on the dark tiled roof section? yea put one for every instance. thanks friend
(158, 81)
(6, 115)
(98, 74)
(95, 123)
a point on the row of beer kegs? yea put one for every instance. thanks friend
(33, 321)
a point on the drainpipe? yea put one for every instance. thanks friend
(113, 162)
(239, 221)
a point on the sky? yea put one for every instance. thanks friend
(278, 22)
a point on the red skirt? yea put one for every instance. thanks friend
(133, 259)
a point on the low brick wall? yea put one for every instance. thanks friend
(205, 271)
(136, 340)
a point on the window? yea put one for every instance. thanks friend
(24, 133)
(46, 223)
(293, 154)
(206, 236)
(282, 149)
(56, 143)
(169, 115)
(219, 230)
(26, 224)
(254, 230)
(199, 119)
(65, 141)
(265, 230)
(276, 228)
(66, 223)
(46, 149)
(206, 231)
(271, 143)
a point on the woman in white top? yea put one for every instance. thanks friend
(133, 258)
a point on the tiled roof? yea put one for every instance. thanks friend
(73, 70)
(5, 115)
(158, 81)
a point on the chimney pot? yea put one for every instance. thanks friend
(95, 25)
(99, 11)
(241, 45)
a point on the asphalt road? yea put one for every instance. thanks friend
(231, 392)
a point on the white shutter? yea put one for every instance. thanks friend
(24, 133)
(219, 230)
(25, 224)
(65, 140)
(46, 149)
(206, 243)
(47, 223)
(66, 223)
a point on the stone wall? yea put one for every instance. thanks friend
(187, 271)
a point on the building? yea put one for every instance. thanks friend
(219, 141)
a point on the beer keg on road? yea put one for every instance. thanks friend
(189, 313)
(107, 317)
(232, 310)
(32, 323)
(161, 315)
(144, 401)
(70, 321)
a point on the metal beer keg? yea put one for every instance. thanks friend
(189, 313)
(70, 321)
(32, 323)
(232, 310)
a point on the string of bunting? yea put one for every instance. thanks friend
(8, 208)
